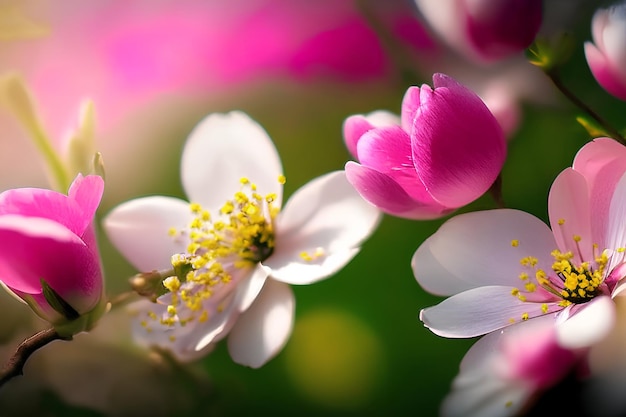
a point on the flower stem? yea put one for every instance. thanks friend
(15, 365)
(610, 130)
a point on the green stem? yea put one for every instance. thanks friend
(556, 80)
(55, 164)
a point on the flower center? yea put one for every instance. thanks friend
(219, 254)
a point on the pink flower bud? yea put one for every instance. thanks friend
(444, 153)
(606, 56)
(484, 30)
(48, 252)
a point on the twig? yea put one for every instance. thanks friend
(556, 80)
(15, 365)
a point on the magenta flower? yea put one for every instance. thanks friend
(444, 152)
(484, 30)
(606, 56)
(515, 267)
(48, 252)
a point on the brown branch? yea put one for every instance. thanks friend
(15, 365)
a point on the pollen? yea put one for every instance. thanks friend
(515, 243)
(240, 235)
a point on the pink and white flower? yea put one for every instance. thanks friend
(504, 371)
(234, 256)
(484, 30)
(443, 152)
(606, 56)
(48, 252)
(506, 266)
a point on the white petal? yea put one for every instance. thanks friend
(299, 272)
(325, 217)
(263, 330)
(475, 249)
(249, 288)
(221, 150)
(477, 311)
(588, 325)
(139, 229)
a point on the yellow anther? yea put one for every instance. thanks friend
(515, 243)
(244, 180)
(282, 180)
(171, 310)
(515, 291)
(544, 308)
(523, 276)
(525, 316)
(172, 284)
(172, 231)
(577, 238)
(561, 222)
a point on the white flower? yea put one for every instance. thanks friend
(234, 249)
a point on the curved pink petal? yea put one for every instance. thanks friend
(248, 289)
(139, 229)
(221, 150)
(477, 311)
(570, 215)
(263, 330)
(589, 324)
(602, 162)
(326, 219)
(410, 105)
(616, 232)
(604, 72)
(75, 211)
(32, 249)
(357, 125)
(476, 249)
(383, 192)
(457, 144)
(388, 151)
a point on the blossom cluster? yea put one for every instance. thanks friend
(221, 262)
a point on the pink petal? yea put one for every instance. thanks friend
(410, 105)
(588, 325)
(356, 126)
(75, 211)
(34, 248)
(477, 311)
(386, 194)
(602, 162)
(388, 151)
(475, 249)
(458, 145)
(263, 330)
(221, 150)
(570, 216)
(604, 72)
(616, 233)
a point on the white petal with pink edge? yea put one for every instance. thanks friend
(483, 248)
(588, 325)
(478, 311)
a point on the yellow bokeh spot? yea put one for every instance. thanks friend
(335, 359)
